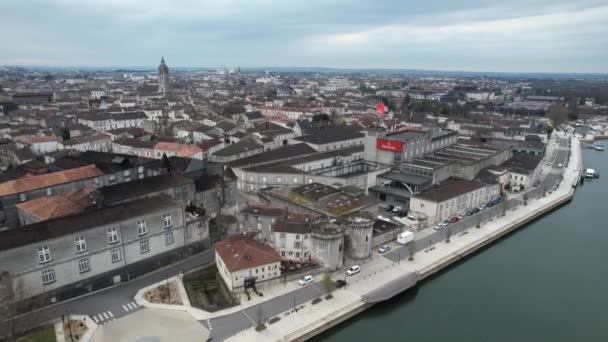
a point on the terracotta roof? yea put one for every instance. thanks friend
(43, 139)
(42, 181)
(180, 149)
(49, 207)
(241, 251)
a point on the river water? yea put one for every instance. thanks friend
(546, 282)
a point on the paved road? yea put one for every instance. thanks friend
(112, 303)
(226, 326)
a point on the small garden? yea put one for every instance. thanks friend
(44, 334)
(207, 291)
(74, 330)
(167, 293)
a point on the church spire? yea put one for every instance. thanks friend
(162, 60)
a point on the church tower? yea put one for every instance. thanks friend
(164, 82)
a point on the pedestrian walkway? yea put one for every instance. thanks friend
(103, 318)
(130, 306)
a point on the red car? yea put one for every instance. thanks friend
(454, 219)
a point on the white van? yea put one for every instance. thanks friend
(405, 237)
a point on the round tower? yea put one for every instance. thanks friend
(327, 244)
(359, 230)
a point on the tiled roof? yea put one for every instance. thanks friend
(241, 251)
(49, 207)
(43, 181)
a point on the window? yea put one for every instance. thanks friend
(49, 191)
(112, 178)
(81, 244)
(169, 238)
(141, 228)
(282, 253)
(140, 169)
(22, 197)
(112, 235)
(297, 236)
(127, 173)
(264, 179)
(116, 257)
(144, 246)
(48, 276)
(167, 219)
(295, 180)
(259, 226)
(84, 265)
(278, 179)
(297, 254)
(44, 254)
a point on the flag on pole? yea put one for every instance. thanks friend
(380, 109)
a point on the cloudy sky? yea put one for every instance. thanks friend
(475, 35)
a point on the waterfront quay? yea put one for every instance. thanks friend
(386, 275)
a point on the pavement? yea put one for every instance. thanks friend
(152, 325)
(112, 303)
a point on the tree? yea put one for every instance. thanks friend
(411, 248)
(448, 234)
(10, 296)
(558, 113)
(549, 129)
(504, 207)
(259, 326)
(328, 284)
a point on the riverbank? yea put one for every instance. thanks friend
(309, 322)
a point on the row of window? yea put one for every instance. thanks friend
(44, 252)
(84, 265)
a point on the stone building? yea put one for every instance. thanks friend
(73, 255)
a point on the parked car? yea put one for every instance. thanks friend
(306, 280)
(454, 219)
(397, 209)
(559, 165)
(440, 226)
(461, 216)
(384, 248)
(482, 207)
(353, 270)
(446, 222)
(389, 207)
(537, 183)
(340, 283)
(402, 213)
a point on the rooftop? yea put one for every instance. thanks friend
(242, 251)
(46, 230)
(448, 189)
(47, 180)
(119, 192)
(50, 207)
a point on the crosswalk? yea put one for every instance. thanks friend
(108, 316)
(103, 318)
(130, 306)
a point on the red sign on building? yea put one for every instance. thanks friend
(389, 145)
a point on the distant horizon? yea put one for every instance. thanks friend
(143, 68)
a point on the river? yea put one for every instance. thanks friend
(546, 282)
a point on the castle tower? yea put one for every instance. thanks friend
(164, 82)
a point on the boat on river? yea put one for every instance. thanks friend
(598, 146)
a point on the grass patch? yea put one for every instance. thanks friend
(207, 291)
(45, 334)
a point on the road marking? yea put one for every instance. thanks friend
(95, 319)
(99, 318)
(130, 307)
(111, 314)
(124, 307)
(135, 305)
(105, 315)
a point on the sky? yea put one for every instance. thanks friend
(466, 35)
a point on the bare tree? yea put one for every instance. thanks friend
(448, 234)
(259, 319)
(10, 295)
(411, 248)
